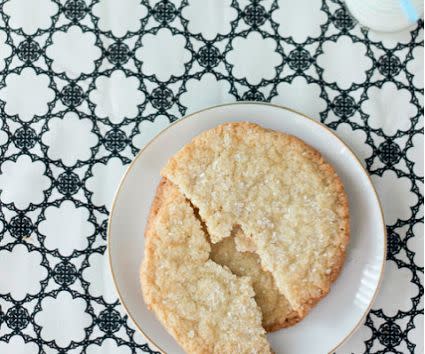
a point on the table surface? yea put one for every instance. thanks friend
(85, 84)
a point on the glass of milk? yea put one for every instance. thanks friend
(386, 15)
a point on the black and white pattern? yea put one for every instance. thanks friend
(84, 84)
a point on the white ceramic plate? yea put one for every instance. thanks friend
(337, 316)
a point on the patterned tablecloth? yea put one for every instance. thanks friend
(84, 84)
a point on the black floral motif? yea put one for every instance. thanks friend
(25, 138)
(72, 95)
(389, 65)
(389, 152)
(65, 273)
(393, 244)
(343, 20)
(103, 229)
(29, 51)
(115, 140)
(118, 53)
(164, 12)
(75, 10)
(208, 56)
(68, 183)
(344, 106)
(389, 334)
(253, 95)
(162, 98)
(255, 15)
(20, 226)
(17, 318)
(299, 59)
(109, 321)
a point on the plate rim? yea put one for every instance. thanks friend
(319, 125)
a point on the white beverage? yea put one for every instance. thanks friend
(386, 15)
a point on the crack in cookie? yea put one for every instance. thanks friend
(206, 307)
(236, 252)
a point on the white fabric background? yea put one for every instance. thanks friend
(85, 84)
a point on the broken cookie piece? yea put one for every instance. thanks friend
(276, 310)
(206, 307)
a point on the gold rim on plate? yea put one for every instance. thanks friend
(321, 126)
